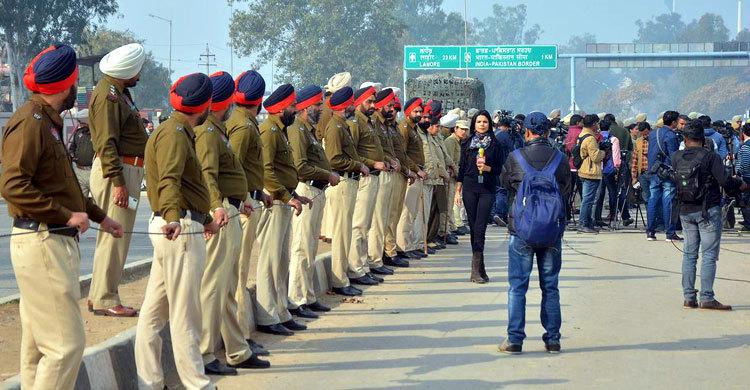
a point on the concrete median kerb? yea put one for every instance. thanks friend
(111, 364)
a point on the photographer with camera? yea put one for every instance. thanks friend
(574, 130)
(610, 172)
(662, 143)
(700, 175)
(590, 156)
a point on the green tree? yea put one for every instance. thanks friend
(721, 99)
(310, 41)
(662, 28)
(153, 87)
(26, 29)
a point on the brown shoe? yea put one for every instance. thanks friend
(90, 306)
(688, 304)
(117, 311)
(714, 305)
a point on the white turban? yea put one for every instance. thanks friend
(338, 81)
(123, 63)
(396, 90)
(377, 86)
(449, 120)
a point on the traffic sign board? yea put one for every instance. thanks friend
(480, 57)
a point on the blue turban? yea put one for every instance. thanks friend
(250, 88)
(191, 93)
(52, 71)
(223, 89)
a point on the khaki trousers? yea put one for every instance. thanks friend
(84, 178)
(326, 226)
(247, 268)
(305, 232)
(111, 253)
(173, 294)
(376, 236)
(47, 267)
(274, 229)
(423, 215)
(364, 206)
(412, 205)
(342, 200)
(218, 288)
(394, 213)
(452, 208)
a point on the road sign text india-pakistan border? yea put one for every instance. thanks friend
(480, 57)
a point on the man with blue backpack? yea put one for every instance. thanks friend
(538, 180)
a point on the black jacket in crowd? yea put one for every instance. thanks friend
(537, 153)
(468, 172)
(712, 172)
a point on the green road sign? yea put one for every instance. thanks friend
(480, 57)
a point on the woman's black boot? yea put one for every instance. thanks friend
(476, 261)
(482, 271)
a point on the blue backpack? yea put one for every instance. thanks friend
(539, 210)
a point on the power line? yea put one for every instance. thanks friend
(208, 59)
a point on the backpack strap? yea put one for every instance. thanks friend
(552, 163)
(522, 161)
(549, 168)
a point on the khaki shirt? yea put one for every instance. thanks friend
(116, 127)
(453, 149)
(279, 175)
(412, 143)
(366, 140)
(309, 156)
(222, 172)
(38, 180)
(325, 116)
(398, 148)
(244, 138)
(378, 123)
(435, 163)
(174, 179)
(340, 148)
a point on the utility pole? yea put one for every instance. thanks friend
(170, 38)
(739, 16)
(466, 29)
(208, 58)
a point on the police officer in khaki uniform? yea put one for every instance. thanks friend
(413, 200)
(181, 203)
(227, 188)
(275, 225)
(244, 140)
(345, 161)
(376, 239)
(370, 152)
(391, 257)
(315, 175)
(117, 173)
(48, 210)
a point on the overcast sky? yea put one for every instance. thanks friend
(196, 23)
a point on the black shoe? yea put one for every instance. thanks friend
(357, 289)
(375, 278)
(650, 236)
(252, 362)
(586, 229)
(317, 306)
(218, 368)
(601, 223)
(408, 255)
(416, 254)
(364, 281)
(499, 221)
(451, 240)
(675, 238)
(463, 230)
(430, 251)
(347, 291)
(690, 304)
(277, 329)
(512, 349)
(628, 222)
(294, 325)
(396, 262)
(257, 348)
(383, 270)
(302, 312)
(552, 348)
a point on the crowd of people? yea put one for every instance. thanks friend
(325, 164)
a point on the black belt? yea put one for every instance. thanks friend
(375, 173)
(351, 175)
(194, 215)
(54, 228)
(257, 195)
(235, 202)
(319, 184)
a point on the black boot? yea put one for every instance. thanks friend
(476, 275)
(482, 271)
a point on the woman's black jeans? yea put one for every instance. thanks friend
(478, 204)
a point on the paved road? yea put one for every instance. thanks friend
(428, 328)
(140, 246)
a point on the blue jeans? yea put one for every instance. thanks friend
(588, 199)
(662, 194)
(520, 263)
(700, 233)
(501, 203)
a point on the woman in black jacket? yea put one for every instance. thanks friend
(476, 184)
